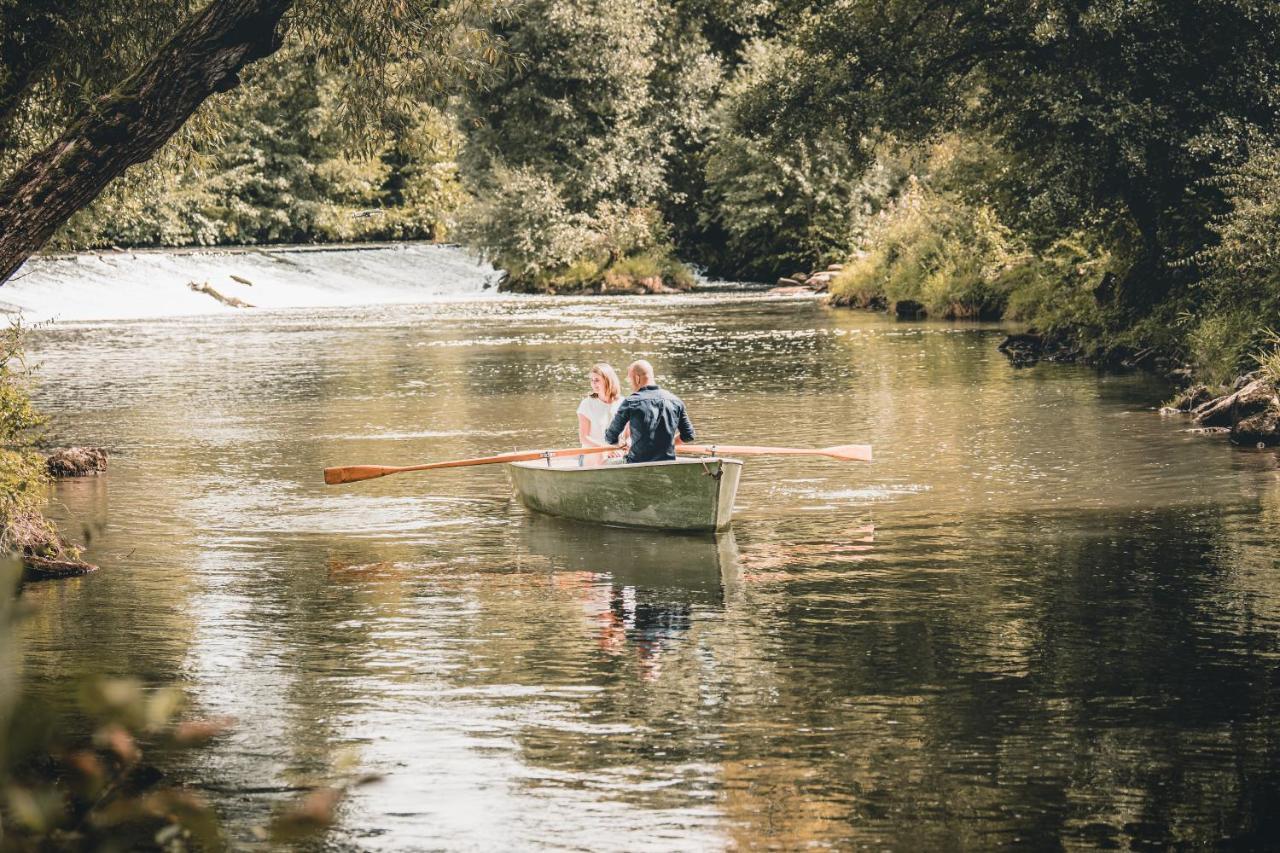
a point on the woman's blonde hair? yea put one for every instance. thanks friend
(612, 387)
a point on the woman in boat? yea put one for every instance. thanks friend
(597, 409)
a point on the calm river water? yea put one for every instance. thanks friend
(1045, 616)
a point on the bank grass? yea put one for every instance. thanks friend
(861, 282)
(23, 475)
(645, 269)
(1060, 291)
(1268, 357)
(1218, 346)
(650, 272)
(582, 274)
(956, 260)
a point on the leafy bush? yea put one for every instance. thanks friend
(1238, 298)
(1058, 290)
(786, 206)
(1268, 357)
(524, 226)
(582, 274)
(1217, 346)
(270, 164)
(22, 469)
(584, 111)
(643, 269)
(957, 260)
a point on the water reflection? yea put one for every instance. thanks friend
(640, 588)
(704, 564)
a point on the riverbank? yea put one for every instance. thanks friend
(1246, 409)
(1248, 412)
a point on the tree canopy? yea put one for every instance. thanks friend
(78, 117)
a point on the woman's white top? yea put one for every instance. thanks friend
(599, 413)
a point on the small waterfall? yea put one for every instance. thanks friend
(152, 283)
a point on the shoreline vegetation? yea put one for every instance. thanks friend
(25, 474)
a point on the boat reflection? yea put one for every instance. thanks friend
(702, 568)
(640, 590)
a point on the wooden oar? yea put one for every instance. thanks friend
(843, 452)
(355, 473)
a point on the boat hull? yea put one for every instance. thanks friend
(687, 494)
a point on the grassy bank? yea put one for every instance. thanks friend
(647, 272)
(949, 242)
(24, 477)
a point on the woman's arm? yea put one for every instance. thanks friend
(584, 432)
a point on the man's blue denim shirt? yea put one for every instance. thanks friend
(655, 416)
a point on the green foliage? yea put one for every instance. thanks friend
(781, 207)
(1217, 346)
(582, 110)
(1098, 171)
(1115, 106)
(1240, 286)
(955, 260)
(1268, 357)
(1109, 122)
(58, 57)
(22, 469)
(526, 227)
(1058, 292)
(605, 125)
(354, 75)
(647, 269)
(280, 169)
(780, 211)
(936, 239)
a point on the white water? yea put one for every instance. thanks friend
(135, 285)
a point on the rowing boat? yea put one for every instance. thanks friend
(687, 494)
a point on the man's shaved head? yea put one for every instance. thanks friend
(640, 373)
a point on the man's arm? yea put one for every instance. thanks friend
(686, 425)
(616, 426)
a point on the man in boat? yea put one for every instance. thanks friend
(657, 418)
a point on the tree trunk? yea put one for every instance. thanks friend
(130, 124)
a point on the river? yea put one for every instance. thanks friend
(1045, 616)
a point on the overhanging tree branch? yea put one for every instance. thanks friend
(130, 124)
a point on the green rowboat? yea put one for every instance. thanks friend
(687, 494)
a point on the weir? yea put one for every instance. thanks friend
(154, 283)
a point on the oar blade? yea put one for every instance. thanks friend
(354, 473)
(849, 452)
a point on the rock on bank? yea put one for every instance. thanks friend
(1250, 412)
